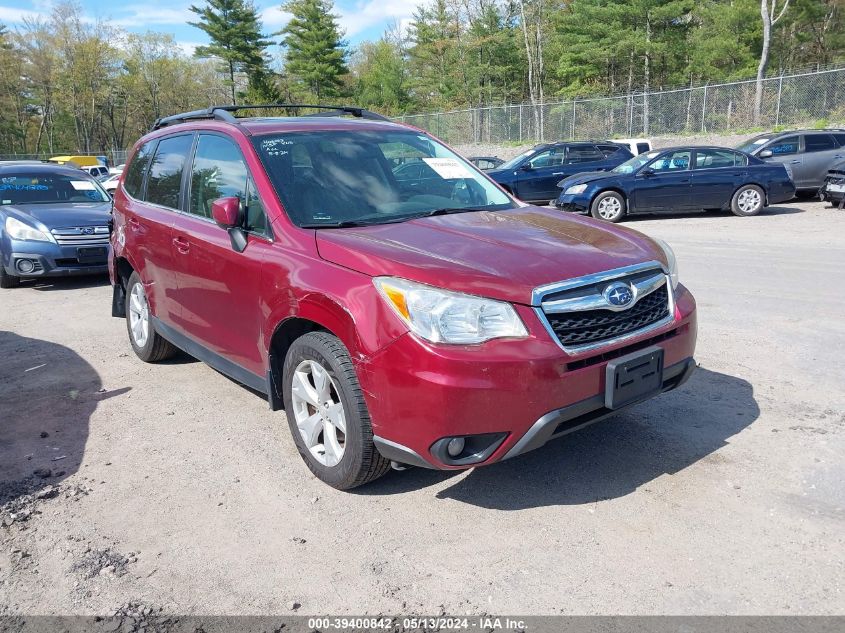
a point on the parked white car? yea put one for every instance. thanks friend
(110, 184)
(96, 171)
(636, 146)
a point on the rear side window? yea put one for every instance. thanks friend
(785, 146)
(715, 158)
(583, 154)
(818, 142)
(133, 183)
(609, 150)
(165, 180)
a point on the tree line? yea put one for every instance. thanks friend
(72, 84)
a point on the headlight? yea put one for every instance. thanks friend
(17, 230)
(670, 259)
(441, 316)
(575, 189)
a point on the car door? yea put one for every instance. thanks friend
(787, 151)
(151, 187)
(585, 157)
(219, 286)
(716, 174)
(538, 176)
(664, 184)
(821, 151)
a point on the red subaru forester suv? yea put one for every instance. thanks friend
(394, 301)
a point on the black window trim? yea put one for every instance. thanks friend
(187, 183)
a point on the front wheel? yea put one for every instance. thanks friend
(327, 415)
(608, 206)
(748, 200)
(148, 344)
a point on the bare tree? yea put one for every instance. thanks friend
(767, 12)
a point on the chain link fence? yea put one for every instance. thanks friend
(788, 100)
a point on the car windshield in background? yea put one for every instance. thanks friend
(633, 164)
(752, 144)
(513, 162)
(333, 178)
(47, 188)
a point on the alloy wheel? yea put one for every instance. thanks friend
(318, 411)
(749, 201)
(139, 315)
(609, 207)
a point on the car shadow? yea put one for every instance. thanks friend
(639, 217)
(51, 284)
(607, 460)
(47, 396)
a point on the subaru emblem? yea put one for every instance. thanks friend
(88, 231)
(618, 294)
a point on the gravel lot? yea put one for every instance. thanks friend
(128, 486)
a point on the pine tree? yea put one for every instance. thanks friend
(315, 54)
(235, 33)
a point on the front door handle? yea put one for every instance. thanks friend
(181, 245)
(795, 162)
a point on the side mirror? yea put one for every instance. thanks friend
(525, 167)
(647, 173)
(226, 212)
(766, 153)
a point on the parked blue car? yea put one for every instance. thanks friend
(533, 175)
(677, 179)
(54, 221)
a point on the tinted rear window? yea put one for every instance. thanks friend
(818, 142)
(165, 180)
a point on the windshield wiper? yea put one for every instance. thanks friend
(447, 211)
(344, 224)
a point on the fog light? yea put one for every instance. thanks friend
(455, 446)
(25, 265)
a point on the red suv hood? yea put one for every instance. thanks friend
(501, 255)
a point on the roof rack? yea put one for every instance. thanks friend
(225, 113)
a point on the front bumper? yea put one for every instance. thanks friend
(574, 203)
(525, 391)
(46, 259)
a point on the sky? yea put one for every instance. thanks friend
(360, 19)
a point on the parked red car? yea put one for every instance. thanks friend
(428, 319)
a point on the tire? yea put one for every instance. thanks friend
(7, 280)
(151, 347)
(609, 206)
(315, 402)
(747, 201)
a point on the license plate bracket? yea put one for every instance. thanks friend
(634, 377)
(91, 253)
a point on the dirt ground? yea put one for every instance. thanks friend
(127, 486)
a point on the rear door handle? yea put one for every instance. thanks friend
(795, 162)
(181, 245)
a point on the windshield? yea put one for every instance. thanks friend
(332, 178)
(633, 164)
(752, 144)
(47, 188)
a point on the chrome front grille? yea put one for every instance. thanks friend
(581, 314)
(82, 236)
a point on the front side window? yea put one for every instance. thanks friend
(633, 164)
(220, 171)
(818, 142)
(46, 188)
(715, 158)
(785, 146)
(673, 161)
(371, 177)
(165, 179)
(133, 183)
(550, 158)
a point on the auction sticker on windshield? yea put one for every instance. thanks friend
(448, 168)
